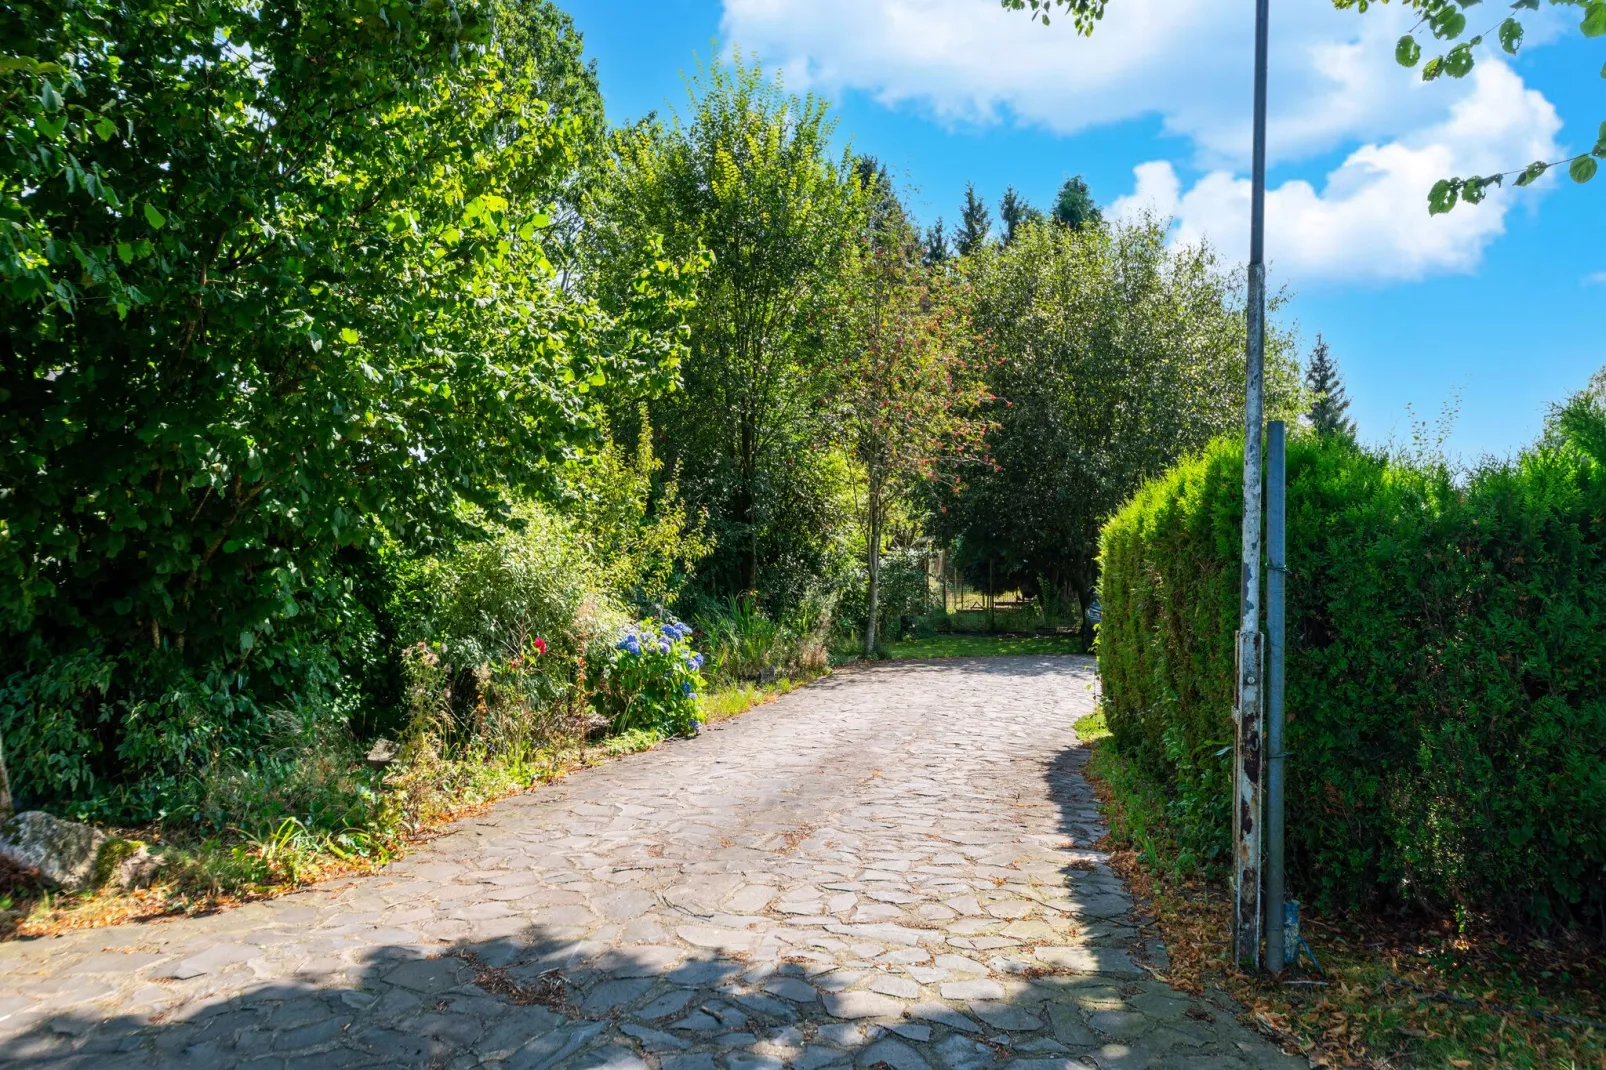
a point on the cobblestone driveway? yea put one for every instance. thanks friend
(889, 867)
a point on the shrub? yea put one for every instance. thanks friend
(905, 595)
(644, 544)
(1446, 715)
(649, 679)
(744, 643)
(337, 323)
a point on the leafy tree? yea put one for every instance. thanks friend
(975, 224)
(1328, 403)
(1083, 13)
(645, 544)
(905, 391)
(278, 289)
(1446, 21)
(936, 245)
(748, 177)
(1074, 206)
(545, 39)
(1016, 212)
(1112, 354)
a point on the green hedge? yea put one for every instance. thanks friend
(1447, 638)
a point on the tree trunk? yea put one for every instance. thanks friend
(1085, 577)
(6, 806)
(992, 623)
(747, 472)
(873, 598)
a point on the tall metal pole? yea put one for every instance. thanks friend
(1248, 714)
(1276, 580)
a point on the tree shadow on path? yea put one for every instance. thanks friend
(1008, 943)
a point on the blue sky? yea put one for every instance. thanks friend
(1502, 306)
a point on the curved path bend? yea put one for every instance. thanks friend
(891, 867)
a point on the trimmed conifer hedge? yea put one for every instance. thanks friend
(1447, 645)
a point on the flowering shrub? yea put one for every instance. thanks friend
(650, 679)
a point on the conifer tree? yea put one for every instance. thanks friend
(1015, 211)
(975, 224)
(1328, 408)
(936, 245)
(1075, 207)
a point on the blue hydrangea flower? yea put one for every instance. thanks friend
(663, 646)
(685, 688)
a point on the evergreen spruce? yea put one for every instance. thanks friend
(1075, 207)
(937, 251)
(1328, 408)
(1016, 212)
(975, 224)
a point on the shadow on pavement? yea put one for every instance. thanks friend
(1044, 974)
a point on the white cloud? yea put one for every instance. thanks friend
(1597, 279)
(1369, 220)
(1334, 88)
(1333, 76)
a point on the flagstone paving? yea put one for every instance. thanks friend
(891, 867)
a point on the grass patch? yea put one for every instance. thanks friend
(1092, 726)
(725, 702)
(1397, 991)
(972, 646)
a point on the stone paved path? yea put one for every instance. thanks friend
(889, 867)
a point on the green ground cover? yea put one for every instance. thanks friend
(972, 646)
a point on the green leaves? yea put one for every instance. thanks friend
(1511, 35)
(1443, 196)
(1594, 21)
(1407, 52)
(1403, 570)
(1532, 172)
(1458, 62)
(1473, 189)
(225, 298)
(1582, 169)
(1084, 13)
(1447, 23)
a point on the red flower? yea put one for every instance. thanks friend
(540, 645)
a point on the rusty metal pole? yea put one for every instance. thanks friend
(1249, 713)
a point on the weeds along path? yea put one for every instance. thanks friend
(891, 866)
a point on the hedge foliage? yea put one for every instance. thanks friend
(1446, 639)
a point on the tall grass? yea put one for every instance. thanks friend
(741, 643)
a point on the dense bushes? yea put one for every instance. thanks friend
(1115, 351)
(1447, 638)
(280, 291)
